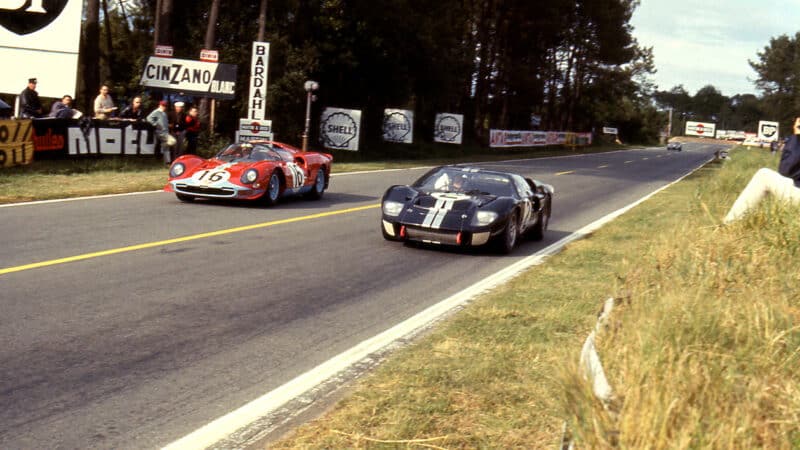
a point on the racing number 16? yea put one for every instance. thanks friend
(214, 176)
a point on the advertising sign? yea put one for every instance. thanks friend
(16, 142)
(512, 138)
(610, 130)
(702, 129)
(259, 63)
(163, 50)
(209, 55)
(184, 76)
(340, 128)
(768, 131)
(41, 37)
(398, 125)
(251, 129)
(449, 128)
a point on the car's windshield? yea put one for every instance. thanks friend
(466, 181)
(243, 151)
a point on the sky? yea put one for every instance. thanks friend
(696, 43)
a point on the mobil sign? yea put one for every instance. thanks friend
(701, 129)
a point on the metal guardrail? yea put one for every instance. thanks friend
(592, 369)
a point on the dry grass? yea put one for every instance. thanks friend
(703, 355)
(706, 351)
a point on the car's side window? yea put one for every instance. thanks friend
(522, 186)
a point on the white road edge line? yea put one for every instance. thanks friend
(219, 429)
(73, 199)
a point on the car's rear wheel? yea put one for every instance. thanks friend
(319, 185)
(273, 192)
(508, 239)
(184, 197)
(537, 232)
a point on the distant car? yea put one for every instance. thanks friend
(675, 146)
(466, 206)
(257, 170)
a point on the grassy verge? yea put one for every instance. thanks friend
(704, 354)
(52, 179)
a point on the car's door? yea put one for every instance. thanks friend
(529, 203)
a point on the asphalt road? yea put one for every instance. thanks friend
(137, 348)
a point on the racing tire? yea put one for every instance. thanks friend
(319, 185)
(184, 197)
(510, 235)
(273, 192)
(537, 232)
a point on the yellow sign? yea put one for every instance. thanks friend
(16, 142)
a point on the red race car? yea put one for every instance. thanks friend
(254, 170)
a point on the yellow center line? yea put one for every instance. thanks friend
(193, 237)
(603, 166)
(564, 173)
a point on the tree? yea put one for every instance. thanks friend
(89, 57)
(778, 69)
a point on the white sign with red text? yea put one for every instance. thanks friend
(701, 129)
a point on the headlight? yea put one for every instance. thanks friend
(250, 176)
(177, 170)
(391, 208)
(483, 218)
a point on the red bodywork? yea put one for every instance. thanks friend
(222, 175)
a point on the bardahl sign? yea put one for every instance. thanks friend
(204, 79)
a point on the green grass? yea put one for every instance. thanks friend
(702, 354)
(77, 177)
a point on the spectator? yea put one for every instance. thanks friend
(63, 109)
(783, 184)
(158, 118)
(192, 125)
(103, 104)
(134, 111)
(29, 103)
(177, 126)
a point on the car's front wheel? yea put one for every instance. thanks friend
(509, 236)
(273, 191)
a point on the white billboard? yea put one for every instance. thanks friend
(449, 128)
(398, 125)
(340, 128)
(702, 129)
(259, 64)
(185, 76)
(768, 131)
(42, 39)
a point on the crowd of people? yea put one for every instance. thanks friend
(177, 129)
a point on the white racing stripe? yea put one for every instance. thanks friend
(270, 402)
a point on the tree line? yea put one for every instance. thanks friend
(572, 64)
